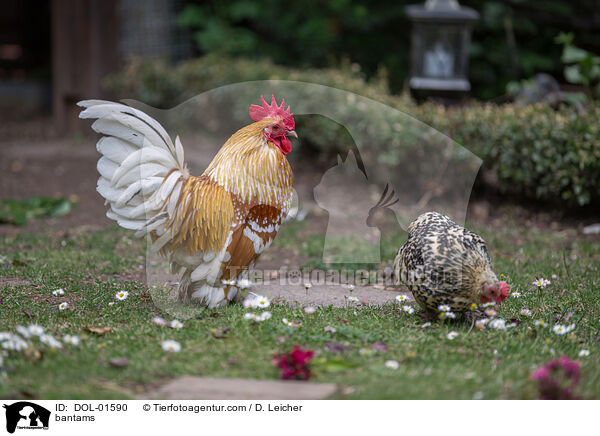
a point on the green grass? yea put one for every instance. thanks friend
(92, 267)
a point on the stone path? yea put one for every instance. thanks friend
(200, 388)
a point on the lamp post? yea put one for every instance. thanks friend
(441, 37)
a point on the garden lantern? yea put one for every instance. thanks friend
(440, 43)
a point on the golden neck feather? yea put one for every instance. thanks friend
(251, 168)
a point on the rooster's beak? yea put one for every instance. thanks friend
(293, 133)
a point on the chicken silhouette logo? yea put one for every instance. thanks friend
(26, 415)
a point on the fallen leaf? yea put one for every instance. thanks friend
(215, 314)
(379, 346)
(336, 347)
(220, 333)
(119, 362)
(99, 330)
(344, 320)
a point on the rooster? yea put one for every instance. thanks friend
(444, 264)
(212, 228)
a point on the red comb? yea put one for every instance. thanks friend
(257, 113)
(504, 288)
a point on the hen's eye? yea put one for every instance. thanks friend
(275, 127)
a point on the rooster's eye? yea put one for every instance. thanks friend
(275, 127)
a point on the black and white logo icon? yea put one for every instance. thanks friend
(26, 415)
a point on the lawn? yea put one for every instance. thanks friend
(128, 359)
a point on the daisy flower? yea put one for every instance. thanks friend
(351, 288)
(71, 340)
(560, 329)
(473, 306)
(264, 316)
(446, 315)
(122, 295)
(425, 325)
(58, 292)
(541, 283)
(408, 309)
(525, 312)
(249, 302)
(15, 344)
(159, 321)
(310, 310)
(539, 322)
(63, 305)
(392, 364)
(111, 303)
(176, 324)
(365, 351)
(251, 316)
(444, 308)
(228, 282)
(352, 298)
(5, 336)
(330, 329)
(50, 341)
(289, 323)
(498, 324)
(490, 312)
(401, 298)
(481, 323)
(244, 284)
(489, 304)
(262, 301)
(516, 294)
(23, 331)
(35, 330)
(452, 335)
(171, 346)
(307, 286)
(584, 353)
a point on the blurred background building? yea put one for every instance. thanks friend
(55, 52)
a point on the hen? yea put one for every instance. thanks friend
(444, 264)
(212, 228)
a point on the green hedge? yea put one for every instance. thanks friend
(533, 151)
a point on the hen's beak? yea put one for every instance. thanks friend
(293, 133)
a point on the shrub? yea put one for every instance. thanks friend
(535, 151)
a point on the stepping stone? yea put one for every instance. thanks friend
(200, 388)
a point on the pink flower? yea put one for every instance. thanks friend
(295, 364)
(557, 379)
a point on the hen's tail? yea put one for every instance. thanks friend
(140, 166)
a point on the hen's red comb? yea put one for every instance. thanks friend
(257, 113)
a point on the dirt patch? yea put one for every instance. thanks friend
(13, 281)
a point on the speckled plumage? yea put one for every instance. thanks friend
(443, 263)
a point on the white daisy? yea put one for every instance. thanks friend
(307, 286)
(498, 324)
(176, 324)
(365, 351)
(489, 304)
(50, 341)
(228, 282)
(352, 298)
(23, 331)
(159, 321)
(425, 325)
(481, 323)
(452, 335)
(490, 312)
(401, 298)
(251, 316)
(58, 292)
(584, 353)
(71, 340)
(446, 315)
(541, 283)
(560, 329)
(310, 310)
(287, 323)
(330, 329)
(249, 302)
(36, 330)
(351, 288)
(392, 364)
(539, 322)
(63, 305)
(15, 344)
(122, 295)
(264, 316)
(262, 302)
(525, 312)
(408, 309)
(244, 283)
(111, 303)
(171, 346)
(516, 294)
(444, 308)
(5, 336)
